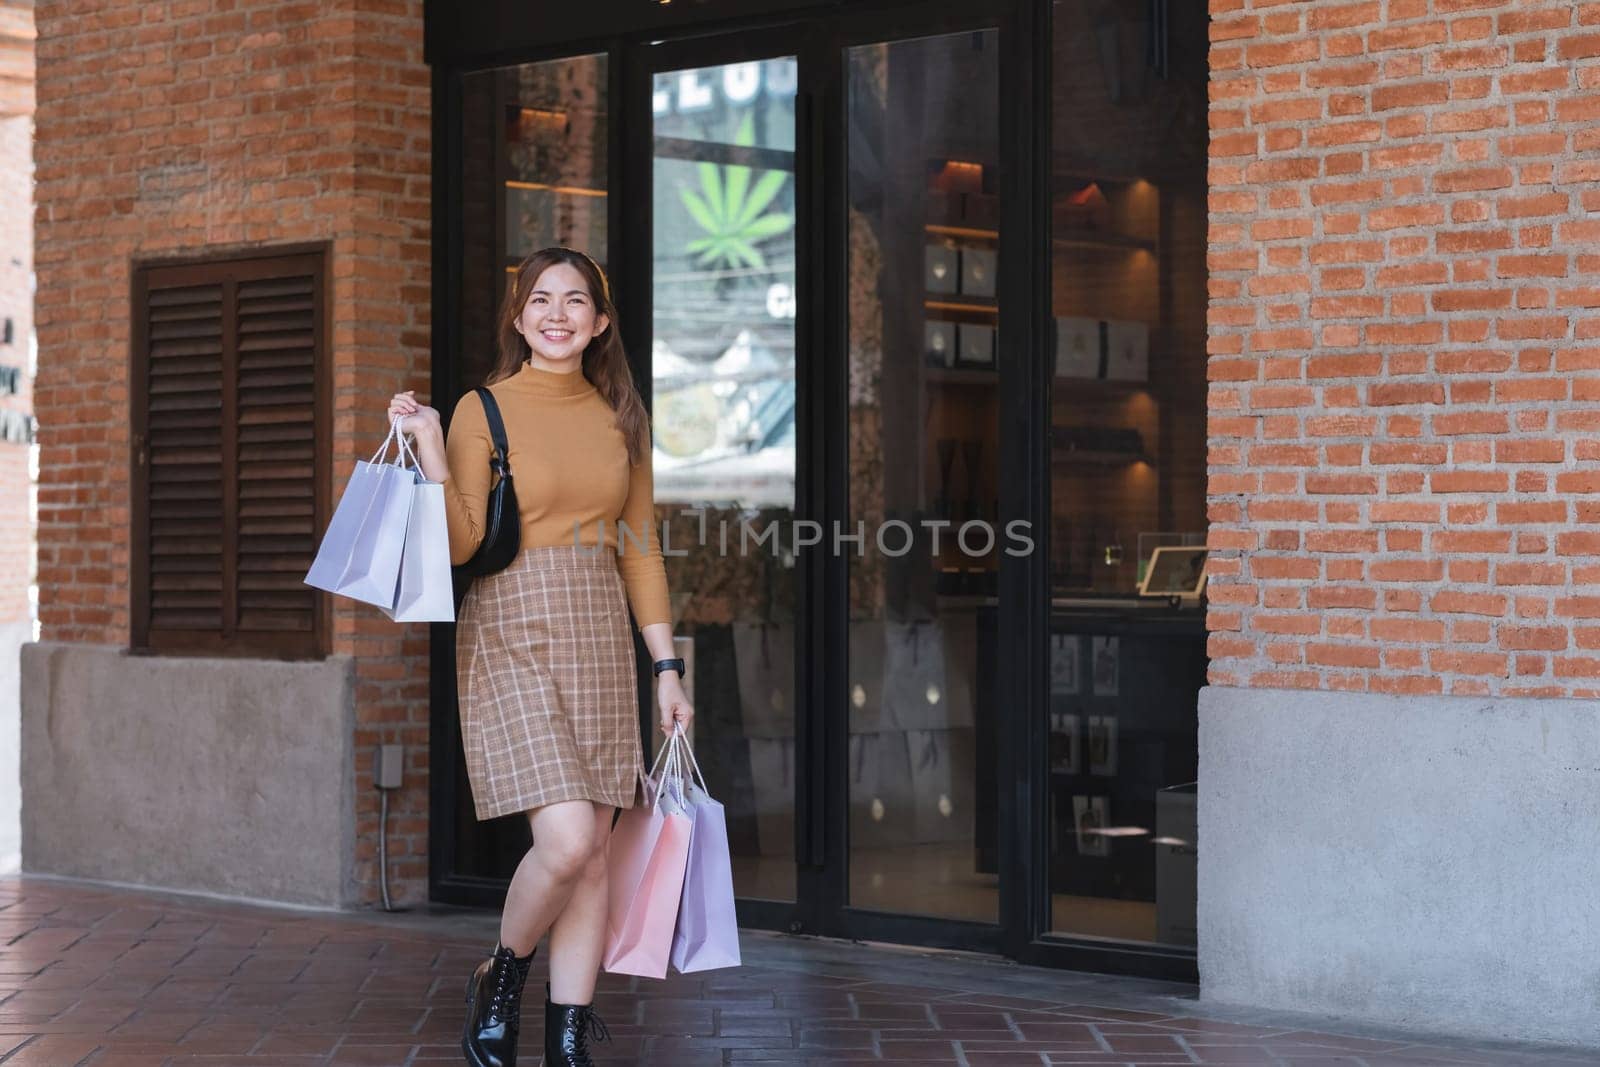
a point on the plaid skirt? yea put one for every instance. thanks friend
(545, 672)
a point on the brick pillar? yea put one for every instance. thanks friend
(1399, 811)
(178, 129)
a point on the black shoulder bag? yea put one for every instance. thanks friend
(502, 528)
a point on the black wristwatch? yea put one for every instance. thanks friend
(668, 665)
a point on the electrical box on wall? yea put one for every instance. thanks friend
(391, 761)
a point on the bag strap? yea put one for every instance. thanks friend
(659, 770)
(688, 754)
(407, 458)
(383, 449)
(501, 460)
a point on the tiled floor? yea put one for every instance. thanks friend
(121, 978)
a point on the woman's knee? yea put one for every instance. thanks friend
(564, 847)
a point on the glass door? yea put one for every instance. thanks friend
(531, 168)
(923, 441)
(722, 370)
(823, 249)
(1126, 456)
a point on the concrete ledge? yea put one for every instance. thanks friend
(230, 776)
(1431, 862)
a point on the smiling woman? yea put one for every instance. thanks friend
(545, 665)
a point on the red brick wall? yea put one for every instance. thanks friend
(1405, 346)
(186, 127)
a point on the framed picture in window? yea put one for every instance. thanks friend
(978, 268)
(1102, 744)
(1066, 746)
(1077, 348)
(1127, 351)
(939, 343)
(1064, 665)
(975, 344)
(941, 269)
(1105, 666)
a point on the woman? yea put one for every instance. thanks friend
(544, 651)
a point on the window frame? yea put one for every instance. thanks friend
(227, 268)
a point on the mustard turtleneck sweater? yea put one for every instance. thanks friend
(569, 464)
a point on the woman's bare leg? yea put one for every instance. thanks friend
(578, 935)
(563, 844)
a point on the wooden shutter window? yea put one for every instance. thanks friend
(184, 445)
(229, 421)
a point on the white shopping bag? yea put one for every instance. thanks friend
(360, 553)
(426, 591)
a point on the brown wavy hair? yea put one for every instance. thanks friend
(605, 361)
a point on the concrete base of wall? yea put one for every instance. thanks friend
(1423, 861)
(13, 635)
(221, 775)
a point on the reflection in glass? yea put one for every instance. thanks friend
(1127, 463)
(723, 419)
(923, 425)
(534, 173)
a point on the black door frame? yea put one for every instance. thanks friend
(822, 469)
(647, 37)
(642, 61)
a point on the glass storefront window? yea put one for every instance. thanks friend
(1127, 468)
(723, 359)
(534, 173)
(924, 446)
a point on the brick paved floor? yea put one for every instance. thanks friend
(124, 978)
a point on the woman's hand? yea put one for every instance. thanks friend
(414, 418)
(675, 707)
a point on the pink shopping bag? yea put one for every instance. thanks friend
(648, 850)
(708, 927)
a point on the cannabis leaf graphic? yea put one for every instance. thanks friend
(729, 210)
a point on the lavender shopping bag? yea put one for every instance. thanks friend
(707, 935)
(647, 853)
(360, 553)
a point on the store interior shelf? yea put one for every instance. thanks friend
(1104, 241)
(969, 232)
(1071, 239)
(1097, 457)
(962, 305)
(1064, 387)
(564, 190)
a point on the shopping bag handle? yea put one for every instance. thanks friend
(413, 463)
(664, 763)
(677, 771)
(383, 449)
(688, 752)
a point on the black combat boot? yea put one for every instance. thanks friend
(494, 1003)
(566, 1033)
